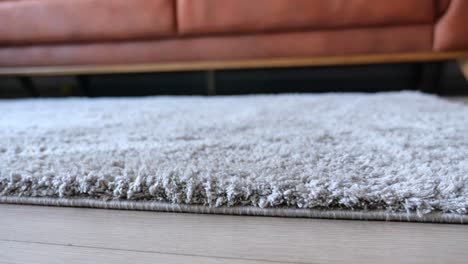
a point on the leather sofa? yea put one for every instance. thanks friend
(45, 33)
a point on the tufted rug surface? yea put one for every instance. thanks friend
(388, 156)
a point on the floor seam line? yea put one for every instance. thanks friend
(148, 251)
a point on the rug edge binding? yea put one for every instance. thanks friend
(449, 218)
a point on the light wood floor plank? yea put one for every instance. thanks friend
(249, 238)
(21, 252)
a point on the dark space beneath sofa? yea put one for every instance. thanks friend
(438, 78)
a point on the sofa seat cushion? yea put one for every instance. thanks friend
(64, 21)
(253, 16)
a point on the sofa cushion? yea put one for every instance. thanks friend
(58, 21)
(250, 16)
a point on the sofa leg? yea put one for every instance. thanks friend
(211, 82)
(463, 64)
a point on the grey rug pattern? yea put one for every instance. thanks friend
(387, 156)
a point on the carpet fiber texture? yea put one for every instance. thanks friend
(394, 156)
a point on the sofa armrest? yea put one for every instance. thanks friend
(451, 28)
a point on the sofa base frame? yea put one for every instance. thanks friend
(233, 64)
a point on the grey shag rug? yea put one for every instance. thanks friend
(388, 156)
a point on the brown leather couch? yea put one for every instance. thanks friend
(36, 33)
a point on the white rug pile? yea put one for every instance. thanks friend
(389, 156)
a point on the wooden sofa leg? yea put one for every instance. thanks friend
(211, 82)
(463, 64)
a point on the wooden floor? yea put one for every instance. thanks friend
(35, 234)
